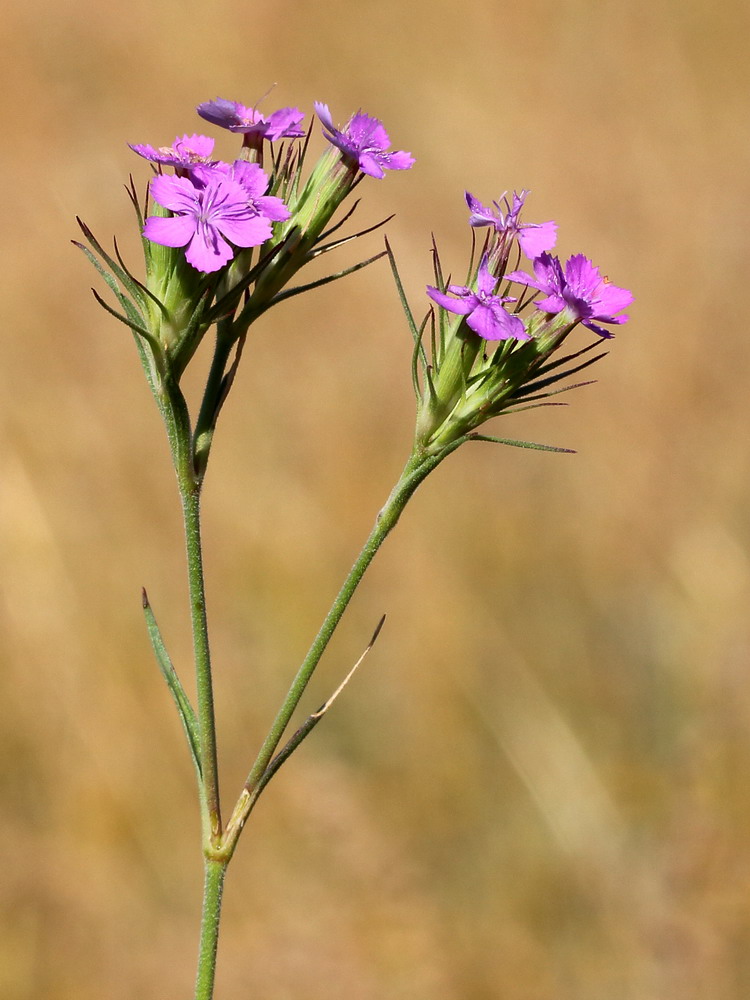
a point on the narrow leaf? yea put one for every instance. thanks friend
(550, 380)
(325, 281)
(556, 392)
(570, 357)
(312, 720)
(135, 327)
(113, 265)
(146, 291)
(181, 700)
(338, 225)
(347, 239)
(520, 444)
(531, 406)
(419, 357)
(402, 294)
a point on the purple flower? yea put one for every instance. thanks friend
(186, 151)
(210, 207)
(533, 238)
(484, 310)
(236, 117)
(580, 288)
(365, 141)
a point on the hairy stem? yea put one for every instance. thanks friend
(213, 888)
(190, 493)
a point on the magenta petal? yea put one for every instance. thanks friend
(273, 208)
(535, 239)
(201, 146)
(143, 149)
(480, 214)
(178, 194)
(399, 160)
(602, 331)
(252, 177)
(245, 232)
(207, 251)
(283, 124)
(486, 281)
(460, 306)
(324, 115)
(552, 304)
(581, 273)
(486, 323)
(219, 112)
(514, 327)
(612, 299)
(368, 164)
(174, 232)
(364, 130)
(522, 278)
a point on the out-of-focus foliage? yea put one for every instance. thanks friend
(538, 788)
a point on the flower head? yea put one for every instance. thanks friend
(210, 207)
(534, 238)
(484, 310)
(282, 124)
(185, 151)
(365, 142)
(579, 288)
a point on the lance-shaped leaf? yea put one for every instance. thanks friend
(298, 289)
(133, 287)
(312, 720)
(520, 444)
(181, 700)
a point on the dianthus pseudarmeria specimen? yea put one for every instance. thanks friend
(223, 243)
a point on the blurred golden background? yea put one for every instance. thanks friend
(538, 787)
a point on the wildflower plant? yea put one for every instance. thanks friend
(225, 242)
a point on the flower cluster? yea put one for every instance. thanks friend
(224, 239)
(467, 380)
(216, 207)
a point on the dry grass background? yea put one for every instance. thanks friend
(539, 787)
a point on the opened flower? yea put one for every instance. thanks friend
(282, 124)
(579, 288)
(484, 310)
(186, 151)
(534, 238)
(210, 207)
(364, 141)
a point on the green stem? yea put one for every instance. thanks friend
(212, 892)
(206, 422)
(417, 469)
(190, 493)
